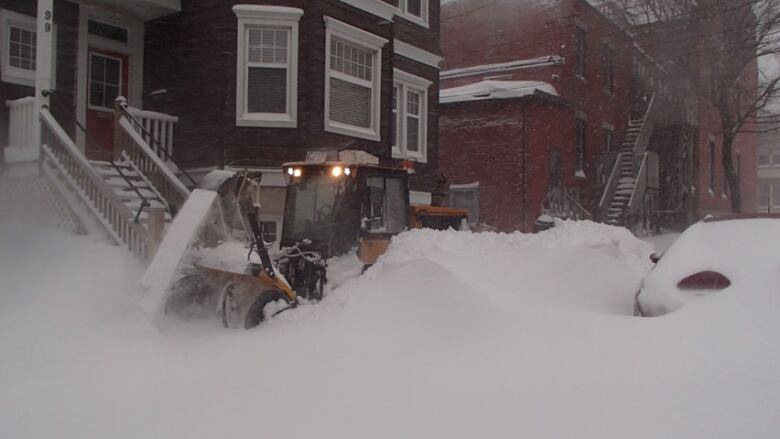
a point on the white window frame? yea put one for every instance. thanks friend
(89, 80)
(15, 75)
(407, 82)
(279, 220)
(268, 16)
(580, 145)
(403, 11)
(366, 40)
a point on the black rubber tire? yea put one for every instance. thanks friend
(189, 298)
(256, 313)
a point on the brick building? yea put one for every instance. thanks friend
(586, 122)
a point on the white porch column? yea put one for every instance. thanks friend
(43, 59)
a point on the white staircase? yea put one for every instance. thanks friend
(627, 174)
(118, 197)
(626, 187)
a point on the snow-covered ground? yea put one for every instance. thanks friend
(664, 241)
(451, 335)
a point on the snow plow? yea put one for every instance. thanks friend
(333, 207)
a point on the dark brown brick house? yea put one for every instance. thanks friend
(241, 83)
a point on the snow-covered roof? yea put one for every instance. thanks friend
(541, 61)
(494, 90)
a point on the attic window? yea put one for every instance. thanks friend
(108, 31)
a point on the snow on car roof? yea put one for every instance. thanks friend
(741, 249)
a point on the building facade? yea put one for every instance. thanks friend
(625, 142)
(568, 71)
(769, 172)
(242, 84)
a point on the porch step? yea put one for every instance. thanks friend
(130, 186)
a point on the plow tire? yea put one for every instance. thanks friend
(190, 298)
(257, 311)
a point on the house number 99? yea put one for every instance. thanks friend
(47, 25)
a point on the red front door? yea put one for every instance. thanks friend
(107, 79)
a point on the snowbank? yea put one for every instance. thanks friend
(452, 334)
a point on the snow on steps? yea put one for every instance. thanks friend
(131, 186)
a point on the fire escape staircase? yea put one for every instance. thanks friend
(130, 197)
(624, 193)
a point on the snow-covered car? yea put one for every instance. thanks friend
(714, 256)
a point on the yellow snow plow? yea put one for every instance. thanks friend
(333, 207)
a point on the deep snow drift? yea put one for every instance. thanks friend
(452, 334)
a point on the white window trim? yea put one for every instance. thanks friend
(89, 80)
(14, 75)
(415, 53)
(352, 34)
(403, 11)
(278, 16)
(406, 81)
(279, 220)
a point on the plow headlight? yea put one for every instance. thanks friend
(347, 171)
(336, 171)
(297, 172)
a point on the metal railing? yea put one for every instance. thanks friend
(154, 141)
(563, 205)
(610, 188)
(147, 164)
(155, 128)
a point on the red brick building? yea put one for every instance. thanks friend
(552, 106)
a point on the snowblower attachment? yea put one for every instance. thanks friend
(213, 259)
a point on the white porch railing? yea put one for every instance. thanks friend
(22, 130)
(157, 130)
(106, 206)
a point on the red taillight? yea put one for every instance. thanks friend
(704, 280)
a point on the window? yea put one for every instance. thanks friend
(352, 80)
(414, 10)
(272, 228)
(267, 75)
(608, 139)
(764, 156)
(609, 69)
(769, 195)
(768, 155)
(764, 193)
(775, 193)
(555, 168)
(579, 145)
(19, 48)
(105, 78)
(387, 205)
(108, 31)
(410, 118)
(466, 197)
(712, 166)
(579, 52)
(395, 125)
